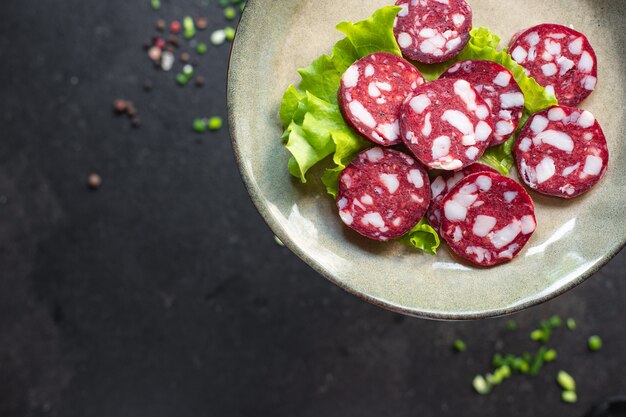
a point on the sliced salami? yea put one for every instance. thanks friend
(383, 194)
(498, 88)
(440, 186)
(446, 124)
(561, 152)
(487, 218)
(431, 31)
(371, 93)
(559, 58)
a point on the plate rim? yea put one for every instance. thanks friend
(270, 221)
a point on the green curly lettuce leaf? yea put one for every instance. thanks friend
(374, 34)
(293, 106)
(423, 237)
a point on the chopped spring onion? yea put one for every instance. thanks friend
(189, 27)
(202, 48)
(188, 70)
(459, 346)
(537, 362)
(230, 33)
(199, 125)
(571, 324)
(566, 381)
(497, 360)
(524, 367)
(499, 375)
(218, 37)
(182, 79)
(215, 123)
(481, 385)
(595, 343)
(549, 356)
(569, 396)
(505, 371)
(518, 364)
(230, 13)
(538, 335)
(555, 321)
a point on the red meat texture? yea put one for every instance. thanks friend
(497, 86)
(446, 125)
(371, 93)
(558, 58)
(440, 186)
(432, 31)
(383, 194)
(487, 218)
(562, 152)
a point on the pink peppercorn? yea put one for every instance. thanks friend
(175, 26)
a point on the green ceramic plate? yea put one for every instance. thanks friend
(573, 238)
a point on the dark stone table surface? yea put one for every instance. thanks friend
(164, 294)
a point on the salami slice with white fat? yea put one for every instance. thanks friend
(497, 86)
(371, 93)
(431, 31)
(487, 218)
(561, 152)
(558, 58)
(446, 125)
(440, 186)
(383, 194)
